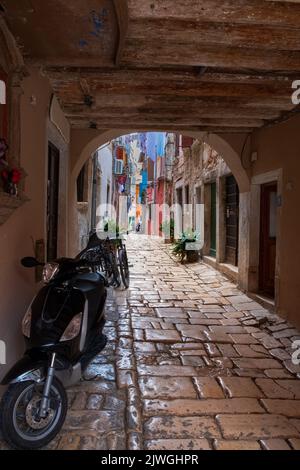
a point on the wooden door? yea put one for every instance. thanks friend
(232, 221)
(52, 201)
(213, 220)
(268, 234)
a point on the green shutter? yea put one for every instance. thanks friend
(213, 221)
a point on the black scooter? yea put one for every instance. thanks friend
(63, 333)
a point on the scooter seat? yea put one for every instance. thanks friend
(90, 280)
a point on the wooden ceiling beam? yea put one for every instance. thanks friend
(173, 101)
(155, 87)
(258, 12)
(168, 128)
(171, 112)
(162, 52)
(263, 37)
(114, 122)
(70, 74)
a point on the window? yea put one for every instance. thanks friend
(119, 167)
(187, 194)
(179, 196)
(187, 142)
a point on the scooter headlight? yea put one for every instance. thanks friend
(49, 271)
(26, 323)
(73, 329)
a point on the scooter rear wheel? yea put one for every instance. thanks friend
(21, 427)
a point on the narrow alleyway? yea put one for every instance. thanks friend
(191, 363)
(162, 117)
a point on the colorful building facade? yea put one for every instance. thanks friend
(139, 169)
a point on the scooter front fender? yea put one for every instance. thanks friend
(27, 369)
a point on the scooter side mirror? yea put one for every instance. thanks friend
(30, 262)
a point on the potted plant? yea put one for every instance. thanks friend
(111, 229)
(11, 179)
(183, 251)
(11, 176)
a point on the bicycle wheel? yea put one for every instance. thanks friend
(124, 267)
(113, 270)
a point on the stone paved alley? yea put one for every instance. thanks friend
(191, 363)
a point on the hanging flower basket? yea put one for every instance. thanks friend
(11, 178)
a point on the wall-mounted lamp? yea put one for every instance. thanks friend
(33, 100)
(254, 157)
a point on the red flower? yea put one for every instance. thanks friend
(16, 176)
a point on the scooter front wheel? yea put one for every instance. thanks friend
(21, 425)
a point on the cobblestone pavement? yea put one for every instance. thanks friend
(211, 368)
(191, 363)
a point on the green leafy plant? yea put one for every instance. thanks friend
(111, 227)
(112, 230)
(168, 228)
(180, 249)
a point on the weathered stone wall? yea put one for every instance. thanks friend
(28, 223)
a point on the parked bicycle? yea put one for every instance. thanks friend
(110, 257)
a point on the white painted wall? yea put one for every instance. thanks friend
(105, 161)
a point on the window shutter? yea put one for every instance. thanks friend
(187, 142)
(119, 167)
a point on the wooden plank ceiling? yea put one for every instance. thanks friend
(213, 65)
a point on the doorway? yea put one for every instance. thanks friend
(213, 220)
(232, 221)
(268, 238)
(52, 201)
(179, 214)
(179, 197)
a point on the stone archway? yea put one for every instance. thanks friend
(229, 147)
(89, 145)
